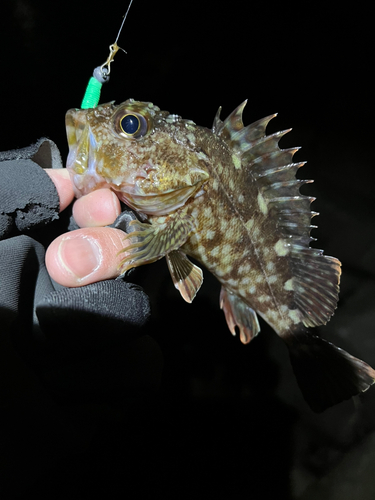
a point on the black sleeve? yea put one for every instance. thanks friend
(50, 327)
(28, 204)
(28, 197)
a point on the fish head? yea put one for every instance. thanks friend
(148, 157)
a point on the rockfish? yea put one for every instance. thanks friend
(229, 198)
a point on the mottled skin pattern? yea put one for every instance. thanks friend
(236, 235)
(158, 163)
(229, 198)
(236, 241)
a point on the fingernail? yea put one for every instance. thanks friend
(80, 256)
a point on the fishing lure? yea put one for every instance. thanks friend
(101, 73)
(228, 197)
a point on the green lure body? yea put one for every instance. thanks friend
(92, 94)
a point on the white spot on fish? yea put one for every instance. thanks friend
(231, 234)
(244, 268)
(281, 248)
(236, 162)
(215, 251)
(207, 211)
(256, 233)
(282, 324)
(226, 249)
(210, 235)
(223, 224)
(270, 266)
(271, 313)
(262, 204)
(171, 118)
(294, 315)
(232, 282)
(219, 271)
(249, 224)
(241, 198)
(226, 260)
(289, 285)
(191, 138)
(264, 298)
(252, 289)
(272, 279)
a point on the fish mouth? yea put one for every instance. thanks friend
(82, 161)
(75, 124)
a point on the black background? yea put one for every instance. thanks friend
(229, 420)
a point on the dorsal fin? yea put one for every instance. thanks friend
(273, 171)
(231, 124)
(316, 277)
(233, 131)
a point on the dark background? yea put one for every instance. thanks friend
(228, 420)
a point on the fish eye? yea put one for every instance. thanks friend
(131, 125)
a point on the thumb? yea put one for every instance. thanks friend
(86, 255)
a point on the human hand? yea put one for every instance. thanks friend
(69, 357)
(90, 254)
(30, 202)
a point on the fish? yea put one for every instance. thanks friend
(228, 197)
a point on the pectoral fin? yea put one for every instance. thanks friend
(186, 276)
(238, 313)
(150, 242)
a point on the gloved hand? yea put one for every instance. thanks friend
(64, 351)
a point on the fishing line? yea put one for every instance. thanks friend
(101, 73)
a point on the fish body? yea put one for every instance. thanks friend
(229, 198)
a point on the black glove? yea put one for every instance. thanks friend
(83, 347)
(28, 203)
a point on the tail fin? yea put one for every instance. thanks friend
(325, 373)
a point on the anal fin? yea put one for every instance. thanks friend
(325, 373)
(238, 313)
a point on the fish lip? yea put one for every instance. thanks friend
(75, 123)
(81, 161)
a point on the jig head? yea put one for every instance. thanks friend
(101, 73)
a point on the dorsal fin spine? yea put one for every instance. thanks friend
(277, 170)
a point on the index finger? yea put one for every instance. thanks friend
(61, 179)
